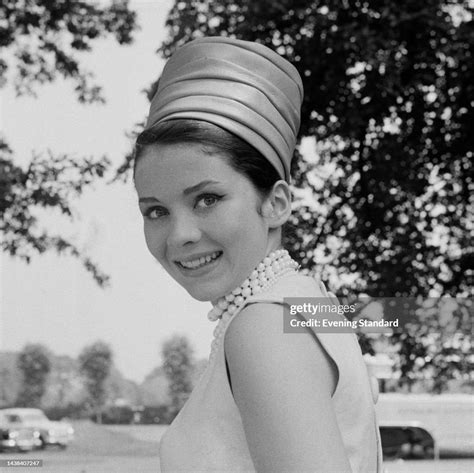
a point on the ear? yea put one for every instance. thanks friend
(276, 207)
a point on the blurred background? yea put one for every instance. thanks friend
(92, 328)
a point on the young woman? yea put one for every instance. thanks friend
(212, 174)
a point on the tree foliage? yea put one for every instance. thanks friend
(40, 41)
(178, 366)
(41, 38)
(35, 364)
(437, 348)
(388, 99)
(95, 364)
(50, 182)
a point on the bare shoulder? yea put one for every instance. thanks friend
(257, 333)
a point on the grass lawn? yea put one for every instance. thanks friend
(98, 449)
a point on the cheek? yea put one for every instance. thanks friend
(232, 220)
(238, 224)
(153, 240)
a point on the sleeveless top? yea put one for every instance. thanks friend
(208, 435)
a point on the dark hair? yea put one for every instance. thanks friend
(243, 157)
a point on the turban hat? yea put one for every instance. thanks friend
(240, 86)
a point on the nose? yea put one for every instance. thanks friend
(183, 230)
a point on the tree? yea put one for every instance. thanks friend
(95, 364)
(35, 364)
(178, 366)
(39, 42)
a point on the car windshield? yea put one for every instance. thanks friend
(12, 418)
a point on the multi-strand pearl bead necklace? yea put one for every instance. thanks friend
(274, 266)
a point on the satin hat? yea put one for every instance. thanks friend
(240, 86)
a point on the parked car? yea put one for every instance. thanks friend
(16, 437)
(50, 432)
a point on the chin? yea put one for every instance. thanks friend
(204, 294)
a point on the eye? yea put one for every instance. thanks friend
(154, 213)
(205, 201)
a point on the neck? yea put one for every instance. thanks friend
(271, 249)
(273, 266)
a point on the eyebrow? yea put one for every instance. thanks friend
(187, 191)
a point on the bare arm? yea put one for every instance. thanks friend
(282, 385)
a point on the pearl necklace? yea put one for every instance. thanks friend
(274, 266)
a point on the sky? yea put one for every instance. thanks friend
(53, 300)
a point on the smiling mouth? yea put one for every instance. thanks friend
(200, 262)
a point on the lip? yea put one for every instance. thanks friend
(197, 272)
(187, 259)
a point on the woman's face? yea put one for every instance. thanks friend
(201, 218)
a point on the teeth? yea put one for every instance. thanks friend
(200, 261)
